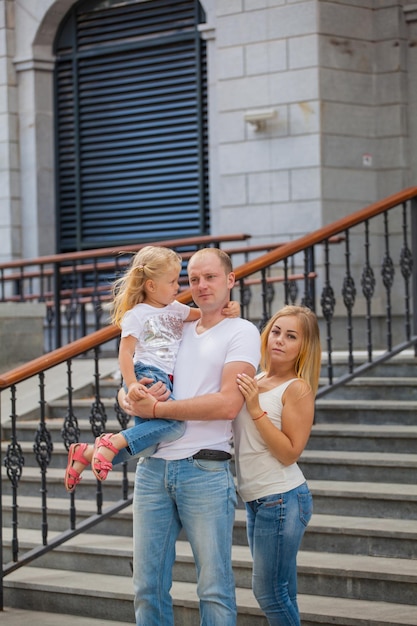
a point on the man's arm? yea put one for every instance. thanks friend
(222, 405)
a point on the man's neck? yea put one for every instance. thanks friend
(208, 320)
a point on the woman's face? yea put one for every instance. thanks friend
(284, 340)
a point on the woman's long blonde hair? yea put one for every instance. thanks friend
(308, 363)
(150, 263)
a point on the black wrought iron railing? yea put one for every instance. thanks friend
(358, 274)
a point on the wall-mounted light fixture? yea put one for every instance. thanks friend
(258, 118)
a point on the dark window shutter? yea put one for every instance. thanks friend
(131, 110)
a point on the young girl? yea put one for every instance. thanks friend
(270, 433)
(151, 321)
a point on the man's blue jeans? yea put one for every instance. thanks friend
(196, 495)
(275, 527)
(143, 437)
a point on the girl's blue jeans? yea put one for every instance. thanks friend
(144, 436)
(200, 497)
(275, 528)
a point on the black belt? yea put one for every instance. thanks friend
(212, 455)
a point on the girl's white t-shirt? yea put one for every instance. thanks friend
(158, 332)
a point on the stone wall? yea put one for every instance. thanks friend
(21, 332)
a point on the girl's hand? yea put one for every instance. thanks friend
(142, 406)
(136, 391)
(232, 309)
(249, 389)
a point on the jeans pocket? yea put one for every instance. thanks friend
(210, 466)
(305, 504)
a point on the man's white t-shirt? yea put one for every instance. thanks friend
(198, 371)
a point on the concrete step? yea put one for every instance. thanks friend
(358, 411)
(380, 438)
(55, 385)
(325, 611)
(331, 533)
(376, 388)
(364, 437)
(315, 611)
(59, 458)
(30, 483)
(321, 573)
(57, 409)
(334, 497)
(362, 536)
(354, 535)
(376, 467)
(359, 549)
(26, 429)
(358, 577)
(73, 592)
(30, 516)
(22, 617)
(403, 364)
(365, 499)
(107, 596)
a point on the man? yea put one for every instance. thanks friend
(187, 483)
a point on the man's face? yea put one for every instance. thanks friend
(209, 283)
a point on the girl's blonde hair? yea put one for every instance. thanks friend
(150, 263)
(308, 363)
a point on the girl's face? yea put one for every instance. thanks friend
(163, 290)
(284, 340)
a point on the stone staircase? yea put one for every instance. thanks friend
(358, 563)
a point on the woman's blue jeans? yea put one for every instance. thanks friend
(144, 436)
(275, 527)
(196, 495)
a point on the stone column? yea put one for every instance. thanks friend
(10, 223)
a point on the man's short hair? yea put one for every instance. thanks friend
(225, 259)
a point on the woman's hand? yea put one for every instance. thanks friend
(249, 389)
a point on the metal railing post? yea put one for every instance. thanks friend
(57, 303)
(413, 204)
(1, 529)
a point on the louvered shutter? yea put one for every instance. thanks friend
(131, 111)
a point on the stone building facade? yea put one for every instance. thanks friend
(312, 108)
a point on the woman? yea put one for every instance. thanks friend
(270, 433)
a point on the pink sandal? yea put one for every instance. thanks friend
(99, 464)
(75, 453)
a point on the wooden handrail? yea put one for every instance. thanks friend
(325, 233)
(46, 361)
(270, 280)
(110, 265)
(70, 351)
(113, 251)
